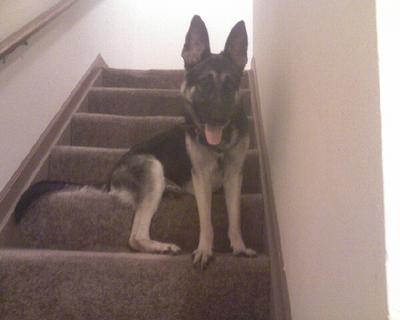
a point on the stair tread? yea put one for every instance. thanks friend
(117, 131)
(167, 78)
(143, 101)
(140, 91)
(147, 91)
(257, 264)
(92, 165)
(72, 259)
(108, 116)
(170, 78)
(47, 284)
(94, 220)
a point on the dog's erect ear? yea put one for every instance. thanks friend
(236, 45)
(197, 44)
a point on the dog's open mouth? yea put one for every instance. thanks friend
(213, 134)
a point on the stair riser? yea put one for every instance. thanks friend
(90, 220)
(166, 79)
(92, 130)
(90, 287)
(135, 102)
(93, 166)
(73, 260)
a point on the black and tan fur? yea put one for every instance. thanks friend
(202, 155)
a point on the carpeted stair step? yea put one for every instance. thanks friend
(68, 257)
(90, 165)
(96, 221)
(42, 284)
(111, 131)
(166, 79)
(143, 102)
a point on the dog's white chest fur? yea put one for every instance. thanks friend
(216, 178)
(217, 174)
(211, 164)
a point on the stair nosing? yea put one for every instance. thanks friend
(139, 90)
(180, 70)
(107, 149)
(86, 114)
(144, 90)
(43, 253)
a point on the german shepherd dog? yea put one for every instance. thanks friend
(199, 156)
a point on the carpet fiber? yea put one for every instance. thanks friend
(69, 257)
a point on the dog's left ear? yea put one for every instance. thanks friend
(197, 44)
(236, 45)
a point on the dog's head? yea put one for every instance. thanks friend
(212, 81)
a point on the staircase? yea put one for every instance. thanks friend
(70, 259)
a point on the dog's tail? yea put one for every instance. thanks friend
(39, 189)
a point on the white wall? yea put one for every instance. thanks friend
(140, 34)
(161, 25)
(14, 14)
(318, 76)
(388, 14)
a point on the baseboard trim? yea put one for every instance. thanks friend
(37, 156)
(280, 305)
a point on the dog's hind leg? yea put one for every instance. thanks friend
(140, 179)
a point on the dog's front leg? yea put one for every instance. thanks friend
(232, 185)
(204, 164)
(203, 192)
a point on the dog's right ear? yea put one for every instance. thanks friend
(197, 44)
(236, 45)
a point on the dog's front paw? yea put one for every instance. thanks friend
(244, 252)
(202, 257)
(238, 247)
(151, 246)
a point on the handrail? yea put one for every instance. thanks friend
(21, 36)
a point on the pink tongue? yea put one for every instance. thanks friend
(213, 134)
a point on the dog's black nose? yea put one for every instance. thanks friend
(219, 117)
